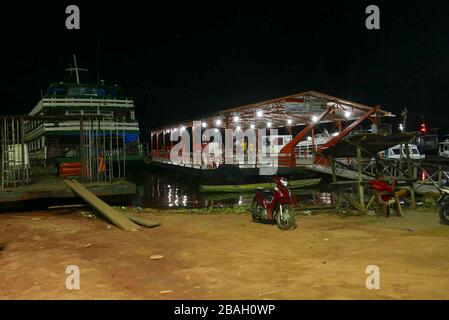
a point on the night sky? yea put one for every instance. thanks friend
(183, 60)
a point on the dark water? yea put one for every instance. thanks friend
(161, 189)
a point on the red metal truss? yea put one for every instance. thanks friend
(279, 112)
(348, 129)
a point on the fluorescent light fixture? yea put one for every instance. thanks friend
(259, 113)
(314, 118)
(347, 114)
(268, 124)
(335, 134)
(309, 138)
(218, 122)
(236, 119)
(204, 124)
(253, 126)
(289, 121)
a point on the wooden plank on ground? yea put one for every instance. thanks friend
(110, 213)
(142, 221)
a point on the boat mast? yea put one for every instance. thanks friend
(76, 69)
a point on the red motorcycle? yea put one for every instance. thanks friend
(274, 205)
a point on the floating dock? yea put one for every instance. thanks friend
(53, 189)
(278, 136)
(31, 183)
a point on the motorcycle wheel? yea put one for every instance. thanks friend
(256, 210)
(444, 213)
(285, 219)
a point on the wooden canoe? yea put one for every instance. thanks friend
(293, 184)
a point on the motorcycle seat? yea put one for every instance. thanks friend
(259, 189)
(266, 193)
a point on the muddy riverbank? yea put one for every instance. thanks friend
(223, 256)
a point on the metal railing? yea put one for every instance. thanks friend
(37, 130)
(246, 160)
(82, 102)
(436, 177)
(85, 102)
(15, 164)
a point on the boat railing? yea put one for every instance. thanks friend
(87, 102)
(75, 125)
(244, 161)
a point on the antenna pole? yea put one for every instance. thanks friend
(76, 70)
(98, 55)
(404, 118)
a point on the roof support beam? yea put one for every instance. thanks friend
(348, 129)
(289, 148)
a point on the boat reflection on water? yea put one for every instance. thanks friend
(163, 190)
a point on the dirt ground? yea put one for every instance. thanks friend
(224, 257)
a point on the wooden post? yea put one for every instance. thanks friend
(313, 139)
(334, 180)
(376, 163)
(412, 188)
(360, 185)
(82, 149)
(257, 146)
(334, 174)
(409, 162)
